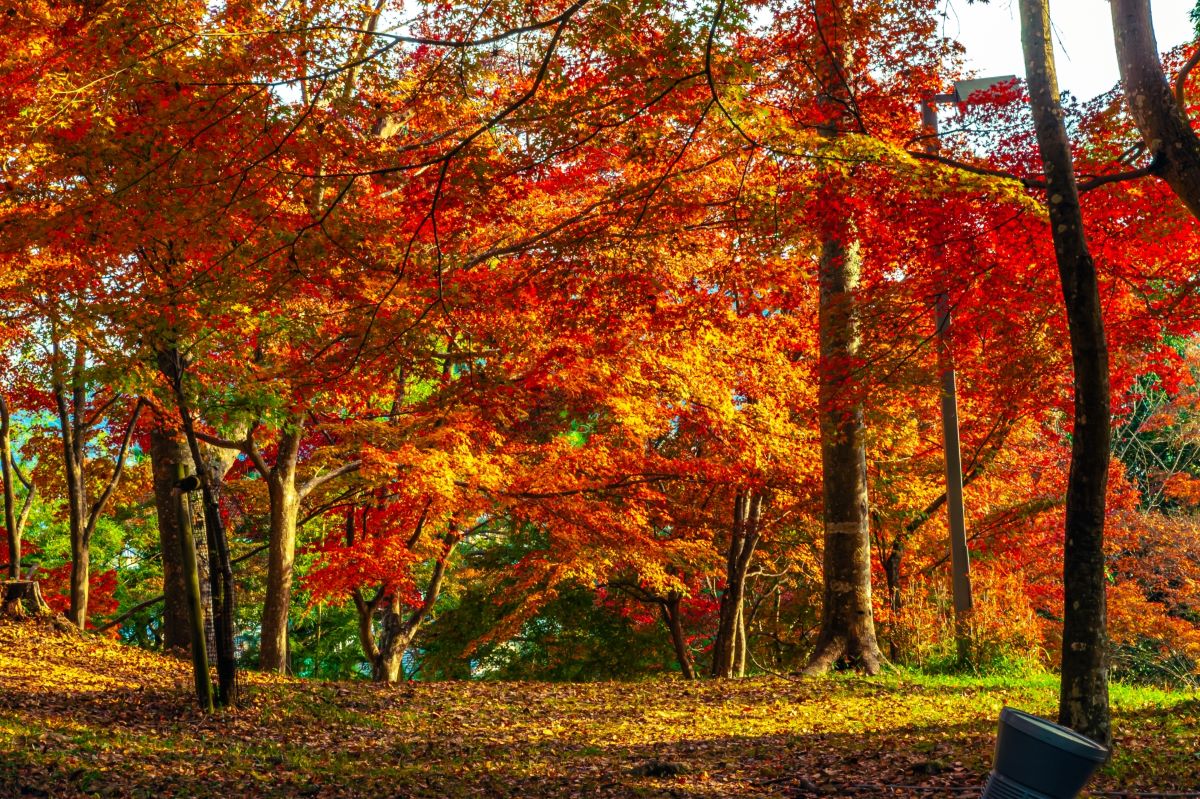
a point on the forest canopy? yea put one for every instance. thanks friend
(602, 339)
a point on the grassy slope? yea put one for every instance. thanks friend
(90, 717)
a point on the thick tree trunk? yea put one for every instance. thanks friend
(728, 658)
(394, 640)
(285, 511)
(1152, 103)
(671, 617)
(167, 452)
(1083, 701)
(847, 632)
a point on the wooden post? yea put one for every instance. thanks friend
(960, 560)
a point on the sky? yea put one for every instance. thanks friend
(1087, 63)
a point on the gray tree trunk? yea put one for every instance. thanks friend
(1083, 699)
(1153, 104)
(167, 452)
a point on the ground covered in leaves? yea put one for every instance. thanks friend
(85, 717)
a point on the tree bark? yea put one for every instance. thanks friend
(22, 597)
(728, 658)
(70, 415)
(1083, 700)
(191, 581)
(224, 597)
(671, 617)
(285, 513)
(847, 633)
(398, 632)
(1154, 107)
(167, 452)
(394, 640)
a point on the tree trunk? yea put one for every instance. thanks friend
(167, 452)
(224, 597)
(394, 641)
(847, 632)
(739, 641)
(743, 538)
(285, 512)
(204, 567)
(1083, 701)
(191, 582)
(366, 623)
(70, 411)
(1153, 105)
(218, 461)
(398, 633)
(891, 573)
(10, 498)
(671, 617)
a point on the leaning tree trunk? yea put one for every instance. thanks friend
(1155, 108)
(743, 538)
(1083, 701)
(670, 607)
(224, 594)
(847, 633)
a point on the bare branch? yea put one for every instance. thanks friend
(118, 468)
(1181, 81)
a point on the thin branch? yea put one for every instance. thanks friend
(320, 480)
(1152, 168)
(118, 468)
(1181, 81)
(1029, 183)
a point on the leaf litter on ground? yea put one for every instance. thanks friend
(81, 716)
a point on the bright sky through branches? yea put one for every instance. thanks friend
(1087, 63)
